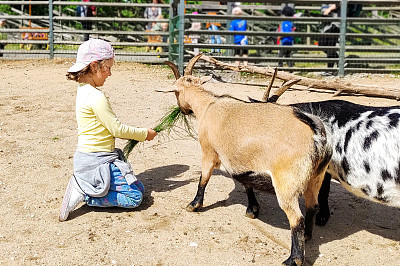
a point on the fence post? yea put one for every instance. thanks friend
(171, 29)
(230, 38)
(51, 33)
(181, 34)
(342, 42)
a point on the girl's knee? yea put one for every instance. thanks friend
(130, 201)
(139, 186)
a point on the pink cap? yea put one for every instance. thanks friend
(90, 51)
(195, 13)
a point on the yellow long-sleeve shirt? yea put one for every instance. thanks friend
(98, 126)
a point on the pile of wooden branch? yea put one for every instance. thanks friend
(337, 85)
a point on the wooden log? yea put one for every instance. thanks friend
(337, 85)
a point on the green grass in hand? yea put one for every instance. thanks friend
(167, 123)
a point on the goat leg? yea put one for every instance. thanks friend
(198, 200)
(311, 202)
(253, 206)
(324, 212)
(309, 223)
(207, 168)
(297, 250)
(289, 203)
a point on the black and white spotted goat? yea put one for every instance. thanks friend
(366, 151)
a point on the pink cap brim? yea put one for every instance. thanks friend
(77, 67)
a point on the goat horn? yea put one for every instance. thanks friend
(282, 89)
(190, 65)
(174, 69)
(268, 90)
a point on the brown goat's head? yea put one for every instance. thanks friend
(185, 83)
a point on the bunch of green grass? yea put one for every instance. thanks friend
(166, 124)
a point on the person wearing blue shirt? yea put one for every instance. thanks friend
(239, 25)
(286, 26)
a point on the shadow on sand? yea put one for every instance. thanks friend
(349, 215)
(155, 179)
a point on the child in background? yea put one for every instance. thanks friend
(101, 176)
(164, 27)
(195, 37)
(215, 39)
(159, 26)
(331, 10)
(286, 26)
(86, 11)
(152, 13)
(239, 25)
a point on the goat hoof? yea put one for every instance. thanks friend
(251, 214)
(322, 218)
(293, 261)
(192, 208)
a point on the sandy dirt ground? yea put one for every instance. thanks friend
(37, 142)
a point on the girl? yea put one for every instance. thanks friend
(101, 175)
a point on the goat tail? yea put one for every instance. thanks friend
(322, 149)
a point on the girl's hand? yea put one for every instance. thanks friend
(150, 134)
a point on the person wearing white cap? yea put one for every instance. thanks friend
(239, 25)
(102, 177)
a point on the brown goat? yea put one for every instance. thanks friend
(263, 146)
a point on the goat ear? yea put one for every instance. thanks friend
(205, 79)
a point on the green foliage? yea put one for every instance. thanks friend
(127, 13)
(6, 9)
(166, 124)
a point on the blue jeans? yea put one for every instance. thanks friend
(215, 38)
(120, 194)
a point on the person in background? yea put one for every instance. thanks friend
(331, 10)
(239, 25)
(86, 11)
(152, 13)
(160, 26)
(209, 8)
(164, 28)
(3, 36)
(215, 39)
(283, 5)
(286, 26)
(195, 37)
(102, 177)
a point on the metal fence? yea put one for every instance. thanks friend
(59, 33)
(369, 42)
